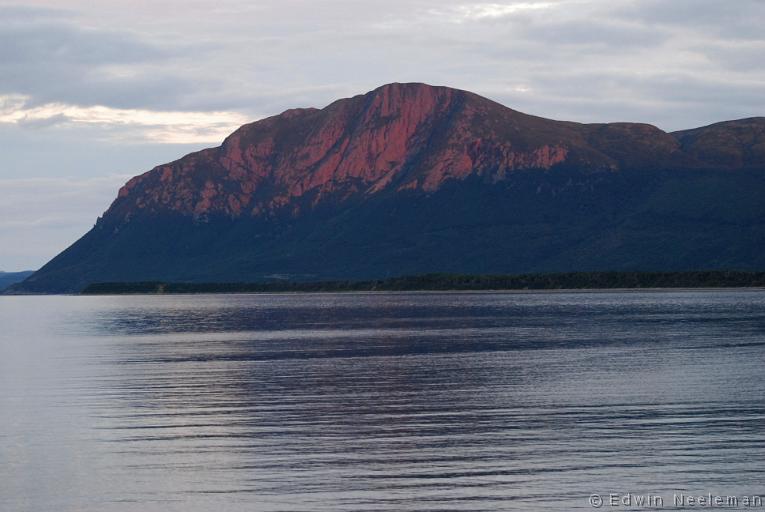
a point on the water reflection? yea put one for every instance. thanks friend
(398, 401)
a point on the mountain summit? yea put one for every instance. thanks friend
(400, 137)
(412, 178)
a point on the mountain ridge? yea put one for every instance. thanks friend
(286, 187)
(10, 278)
(404, 114)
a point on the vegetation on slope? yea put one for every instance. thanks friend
(558, 281)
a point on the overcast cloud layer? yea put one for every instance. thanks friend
(92, 92)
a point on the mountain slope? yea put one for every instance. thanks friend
(730, 144)
(411, 178)
(9, 278)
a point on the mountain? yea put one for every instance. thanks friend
(411, 178)
(9, 278)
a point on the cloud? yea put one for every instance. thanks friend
(741, 19)
(19, 13)
(736, 56)
(38, 122)
(484, 11)
(39, 217)
(612, 36)
(56, 56)
(259, 59)
(152, 125)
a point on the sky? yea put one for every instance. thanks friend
(92, 93)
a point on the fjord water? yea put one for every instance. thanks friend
(379, 401)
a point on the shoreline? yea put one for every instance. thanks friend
(424, 292)
(560, 282)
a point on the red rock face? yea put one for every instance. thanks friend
(400, 137)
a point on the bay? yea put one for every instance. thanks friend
(379, 401)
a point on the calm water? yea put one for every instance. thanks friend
(396, 402)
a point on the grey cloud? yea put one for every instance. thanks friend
(741, 57)
(262, 58)
(685, 89)
(53, 60)
(44, 122)
(41, 217)
(740, 19)
(672, 101)
(52, 42)
(80, 152)
(18, 13)
(611, 35)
